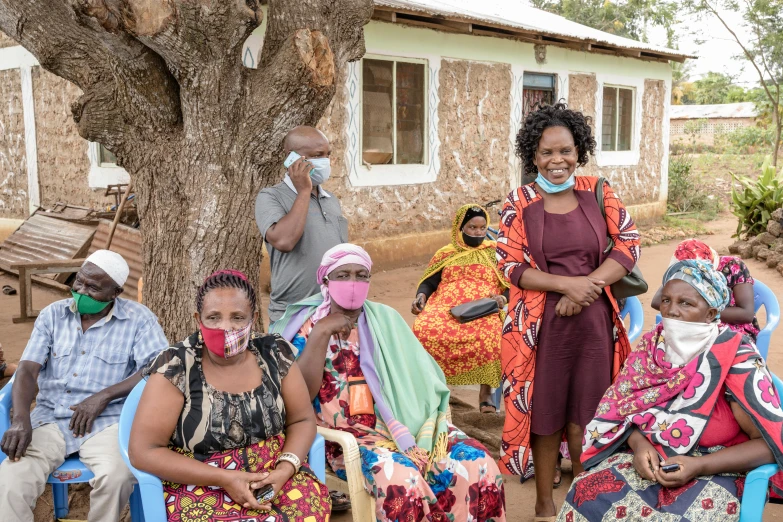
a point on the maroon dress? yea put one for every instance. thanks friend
(574, 357)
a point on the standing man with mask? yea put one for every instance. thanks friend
(85, 354)
(299, 220)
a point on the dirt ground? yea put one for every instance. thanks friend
(396, 288)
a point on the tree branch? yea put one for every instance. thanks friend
(126, 86)
(748, 55)
(306, 43)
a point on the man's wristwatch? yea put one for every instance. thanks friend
(291, 459)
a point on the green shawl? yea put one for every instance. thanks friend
(408, 386)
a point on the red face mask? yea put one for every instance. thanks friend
(226, 343)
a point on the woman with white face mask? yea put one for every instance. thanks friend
(367, 374)
(693, 409)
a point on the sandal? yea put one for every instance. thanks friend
(486, 404)
(340, 501)
(556, 484)
(9, 290)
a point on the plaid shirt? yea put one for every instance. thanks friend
(76, 364)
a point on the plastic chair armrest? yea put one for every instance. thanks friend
(151, 489)
(763, 339)
(754, 495)
(352, 457)
(5, 411)
(316, 458)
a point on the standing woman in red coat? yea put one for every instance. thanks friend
(563, 341)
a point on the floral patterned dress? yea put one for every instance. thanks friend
(466, 485)
(737, 273)
(236, 431)
(467, 353)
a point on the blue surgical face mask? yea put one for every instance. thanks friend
(322, 168)
(550, 188)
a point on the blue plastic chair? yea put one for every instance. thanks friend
(151, 488)
(754, 496)
(762, 296)
(633, 307)
(72, 471)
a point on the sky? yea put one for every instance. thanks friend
(717, 52)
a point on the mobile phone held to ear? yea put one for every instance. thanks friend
(669, 468)
(291, 159)
(265, 494)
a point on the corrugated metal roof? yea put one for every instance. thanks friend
(517, 15)
(43, 238)
(723, 110)
(127, 243)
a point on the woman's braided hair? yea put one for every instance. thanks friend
(226, 279)
(557, 115)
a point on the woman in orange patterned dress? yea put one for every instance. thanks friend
(464, 271)
(563, 340)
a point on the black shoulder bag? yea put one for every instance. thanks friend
(634, 283)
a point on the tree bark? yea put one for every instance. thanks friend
(166, 92)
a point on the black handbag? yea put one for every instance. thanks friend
(473, 310)
(634, 283)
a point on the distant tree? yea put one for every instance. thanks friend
(628, 18)
(759, 37)
(712, 88)
(681, 72)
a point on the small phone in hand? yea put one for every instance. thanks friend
(291, 159)
(265, 494)
(668, 468)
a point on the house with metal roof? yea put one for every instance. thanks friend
(424, 123)
(702, 123)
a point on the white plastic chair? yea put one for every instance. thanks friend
(362, 503)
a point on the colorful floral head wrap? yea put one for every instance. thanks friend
(340, 255)
(704, 278)
(695, 249)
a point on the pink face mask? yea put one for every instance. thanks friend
(350, 295)
(226, 343)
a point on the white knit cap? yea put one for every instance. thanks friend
(112, 263)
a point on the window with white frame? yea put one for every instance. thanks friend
(618, 118)
(104, 170)
(394, 112)
(106, 158)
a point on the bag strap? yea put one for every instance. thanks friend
(599, 196)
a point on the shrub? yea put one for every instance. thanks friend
(745, 140)
(686, 192)
(757, 199)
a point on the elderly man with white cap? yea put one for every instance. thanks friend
(86, 354)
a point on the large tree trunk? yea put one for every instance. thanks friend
(165, 90)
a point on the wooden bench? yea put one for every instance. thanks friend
(28, 270)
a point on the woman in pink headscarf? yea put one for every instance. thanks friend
(740, 315)
(368, 375)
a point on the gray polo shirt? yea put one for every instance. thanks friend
(294, 273)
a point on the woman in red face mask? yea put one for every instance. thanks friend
(225, 409)
(367, 374)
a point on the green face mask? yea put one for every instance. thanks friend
(87, 305)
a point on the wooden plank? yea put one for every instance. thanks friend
(46, 265)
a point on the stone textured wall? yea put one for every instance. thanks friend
(6, 41)
(13, 166)
(473, 113)
(635, 184)
(63, 165)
